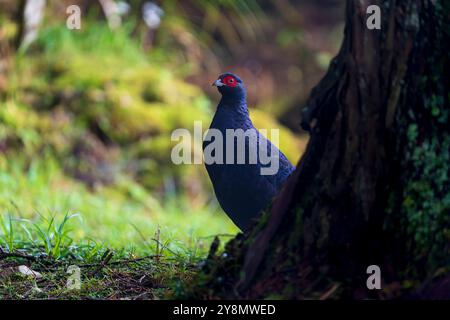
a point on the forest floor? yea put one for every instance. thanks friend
(141, 247)
(122, 279)
(24, 276)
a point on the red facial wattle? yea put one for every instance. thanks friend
(229, 81)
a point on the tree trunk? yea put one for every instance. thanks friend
(373, 185)
(29, 17)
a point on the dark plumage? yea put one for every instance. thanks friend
(240, 188)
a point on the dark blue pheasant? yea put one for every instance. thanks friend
(241, 189)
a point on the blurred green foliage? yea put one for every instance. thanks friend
(85, 124)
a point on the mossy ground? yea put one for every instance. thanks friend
(128, 278)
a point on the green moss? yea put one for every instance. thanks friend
(426, 200)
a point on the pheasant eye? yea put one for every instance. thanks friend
(230, 81)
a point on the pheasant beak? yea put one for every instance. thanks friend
(218, 83)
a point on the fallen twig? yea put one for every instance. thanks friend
(107, 256)
(15, 254)
(218, 235)
(124, 261)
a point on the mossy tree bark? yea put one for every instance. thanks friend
(373, 185)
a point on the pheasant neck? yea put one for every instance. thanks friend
(237, 104)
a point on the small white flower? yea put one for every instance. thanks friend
(122, 8)
(152, 14)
